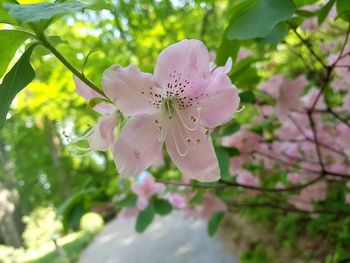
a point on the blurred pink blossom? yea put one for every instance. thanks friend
(210, 204)
(146, 189)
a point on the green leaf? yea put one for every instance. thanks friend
(14, 81)
(258, 19)
(95, 101)
(247, 97)
(224, 161)
(128, 201)
(232, 151)
(10, 41)
(162, 206)
(228, 48)
(275, 36)
(300, 3)
(230, 128)
(145, 218)
(323, 12)
(304, 13)
(4, 16)
(343, 9)
(43, 12)
(214, 221)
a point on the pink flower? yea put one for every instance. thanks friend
(243, 53)
(174, 106)
(87, 93)
(286, 92)
(145, 190)
(310, 98)
(346, 103)
(210, 204)
(273, 85)
(244, 140)
(177, 200)
(101, 136)
(246, 178)
(288, 97)
(312, 193)
(347, 198)
(128, 212)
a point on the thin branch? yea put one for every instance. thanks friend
(43, 41)
(338, 117)
(284, 209)
(309, 47)
(318, 150)
(343, 46)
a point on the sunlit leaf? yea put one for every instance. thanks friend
(256, 19)
(214, 222)
(323, 12)
(15, 80)
(145, 218)
(162, 206)
(43, 12)
(10, 41)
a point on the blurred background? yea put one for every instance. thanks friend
(39, 172)
(55, 198)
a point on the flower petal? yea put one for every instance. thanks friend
(219, 106)
(137, 146)
(185, 62)
(88, 93)
(130, 89)
(198, 161)
(103, 135)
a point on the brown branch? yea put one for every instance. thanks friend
(338, 117)
(284, 209)
(309, 47)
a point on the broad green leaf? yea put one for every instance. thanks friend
(247, 97)
(43, 12)
(257, 20)
(232, 151)
(300, 3)
(304, 13)
(230, 128)
(128, 201)
(162, 206)
(10, 41)
(4, 16)
(95, 101)
(275, 36)
(14, 81)
(343, 9)
(145, 218)
(228, 48)
(244, 73)
(323, 12)
(224, 162)
(214, 222)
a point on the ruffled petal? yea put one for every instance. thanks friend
(221, 99)
(219, 106)
(88, 93)
(130, 89)
(103, 136)
(137, 147)
(192, 152)
(183, 66)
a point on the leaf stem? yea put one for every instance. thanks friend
(44, 42)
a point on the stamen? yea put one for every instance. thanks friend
(241, 109)
(177, 146)
(179, 113)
